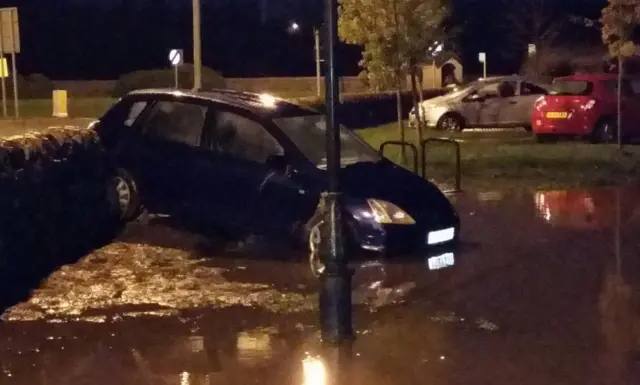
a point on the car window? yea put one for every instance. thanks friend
(531, 89)
(134, 112)
(243, 138)
(507, 89)
(489, 90)
(176, 122)
(571, 87)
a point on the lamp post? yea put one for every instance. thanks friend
(335, 293)
(294, 28)
(197, 47)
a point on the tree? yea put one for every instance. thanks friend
(395, 36)
(619, 21)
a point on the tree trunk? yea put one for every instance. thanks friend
(403, 153)
(619, 114)
(417, 105)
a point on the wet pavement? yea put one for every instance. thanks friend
(544, 290)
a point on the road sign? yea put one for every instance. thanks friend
(531, 49)
(176, 57)
(10, 30)
(482, 57)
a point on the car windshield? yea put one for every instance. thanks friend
(571, 87)
(308, 133)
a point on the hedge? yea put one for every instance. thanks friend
(53, 197)
(165, 78)
(369, 110)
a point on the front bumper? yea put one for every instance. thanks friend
(400, 241)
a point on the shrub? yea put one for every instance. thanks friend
(53, 195)
(36, 86)
(165, 78)
(370, 109)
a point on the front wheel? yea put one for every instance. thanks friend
(450, 122)
(315, 259)
(125, 193)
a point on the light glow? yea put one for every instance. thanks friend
(314, 371)
(268, 100)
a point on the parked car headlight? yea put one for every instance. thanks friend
(387, 213)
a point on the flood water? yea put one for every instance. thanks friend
(545, 290)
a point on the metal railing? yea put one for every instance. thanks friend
(449, 142)
(400, 143)
(423, 159)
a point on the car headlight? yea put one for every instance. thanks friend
(387, 213)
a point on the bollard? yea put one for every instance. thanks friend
(60, 104)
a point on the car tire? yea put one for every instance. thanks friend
(126, 198)
(544, 138)
(313, 247)
(312, 239)
(605, 131)
(528, 128)
(450, 122)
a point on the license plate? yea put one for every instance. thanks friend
(441, 261)
(557, 115)
(441, 236)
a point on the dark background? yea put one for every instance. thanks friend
(102, 39)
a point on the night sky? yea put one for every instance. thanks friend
(102, 39)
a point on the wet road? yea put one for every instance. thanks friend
(545, 290)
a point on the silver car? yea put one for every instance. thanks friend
(504, 101)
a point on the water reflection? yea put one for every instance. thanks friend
(585, 209)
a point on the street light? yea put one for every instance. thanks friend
(295, 28)
(197, 47)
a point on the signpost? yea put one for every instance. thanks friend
(482, 58)
(176, 57)
(9, 44)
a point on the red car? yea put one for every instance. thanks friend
(585, 105)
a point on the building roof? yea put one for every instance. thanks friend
(442, 59)
(262, 104)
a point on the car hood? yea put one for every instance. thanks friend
(442, 101)
(387, 181)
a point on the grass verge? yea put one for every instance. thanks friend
(512, 159)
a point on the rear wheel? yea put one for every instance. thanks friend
(450, 122)
(604, 132)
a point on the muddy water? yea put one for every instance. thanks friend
(544, 290)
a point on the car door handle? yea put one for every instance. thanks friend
(513, 102)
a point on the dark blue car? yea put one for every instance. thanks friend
(251, 163)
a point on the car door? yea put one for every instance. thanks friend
(507, 102)
(168, 140)
(488, 112)
(520, 106)
(242, 171)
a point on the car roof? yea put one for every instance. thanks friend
(493, 79)
(589, 77)
(261, 104)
